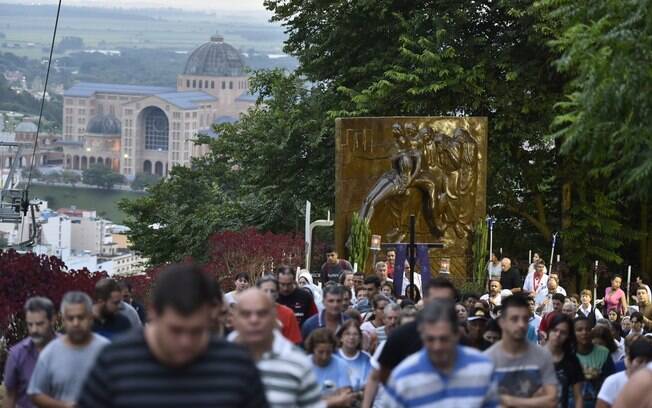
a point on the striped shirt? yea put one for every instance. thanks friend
(417, 383)
(126, 374)
(287, 375)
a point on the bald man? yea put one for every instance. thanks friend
(285, 370)
(510, 278)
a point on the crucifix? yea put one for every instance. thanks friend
(412, 253)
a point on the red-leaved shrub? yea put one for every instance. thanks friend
(253, 252)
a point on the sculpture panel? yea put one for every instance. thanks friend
(389, 168)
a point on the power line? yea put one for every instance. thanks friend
(45, 88)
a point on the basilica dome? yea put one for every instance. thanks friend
(104, 125)
(26, 127)
(215, 58)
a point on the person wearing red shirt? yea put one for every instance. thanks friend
(285, 316)
(391, 258)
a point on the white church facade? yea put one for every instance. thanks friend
(147, 129)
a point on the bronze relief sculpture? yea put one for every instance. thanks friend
(434, 167)
(442, 167)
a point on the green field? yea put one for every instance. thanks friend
(33, 33)
(105, 202)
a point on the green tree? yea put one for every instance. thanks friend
(280, 153)
(174, 220)
(70, 177)
(477, 58)
(143, 181)
(258, 172)
(101, 176)
(604, 122)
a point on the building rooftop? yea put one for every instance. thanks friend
(210, 131)
(215, 58)
(186, 100)
(247, 97)
(26, 127)
(86, 89)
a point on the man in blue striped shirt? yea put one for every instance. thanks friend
(443, 374)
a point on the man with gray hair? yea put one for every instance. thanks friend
(442, 373)
(63, 365)
(39, 317)
(391, 317)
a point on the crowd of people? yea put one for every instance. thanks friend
(350, 340)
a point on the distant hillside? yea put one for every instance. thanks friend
(26, 103)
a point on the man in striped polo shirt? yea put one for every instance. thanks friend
(285, 370)
(444, 373)
(174, 362)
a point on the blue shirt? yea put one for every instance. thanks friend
(359, 368)
(316, 322)
(416, 382)
(335, 375)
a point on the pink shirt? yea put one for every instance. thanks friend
(613, 301)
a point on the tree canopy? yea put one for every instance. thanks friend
(565, 85)
(258, 172)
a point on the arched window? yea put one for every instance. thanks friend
(147, 167)
(156, 128)
(212, 84)
(158, 168)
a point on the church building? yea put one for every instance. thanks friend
(149, 129)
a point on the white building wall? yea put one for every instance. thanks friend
(57, 233)
(87, 235)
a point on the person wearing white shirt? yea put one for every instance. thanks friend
(586, 308)
(537, 280)
(552, 287)
(406, 280)
(536, 258)
(639, 354)
(494, 267)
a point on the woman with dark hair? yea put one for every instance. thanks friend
(242, 282)
(619, 339)
(492, 332)
(602, 336)
(614, 316)
(346, 280)
(332, 373)
(387, 290)
(350, 351)
(561, 345)
(595, 360)
(614, 297)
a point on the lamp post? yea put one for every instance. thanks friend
(552, 251)
(375, 247)
(445, 266)
(491, 220)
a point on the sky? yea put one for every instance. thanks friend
(207, 5)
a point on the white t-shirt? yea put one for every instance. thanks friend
(612, 387)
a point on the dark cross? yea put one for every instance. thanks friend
(412, 253)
